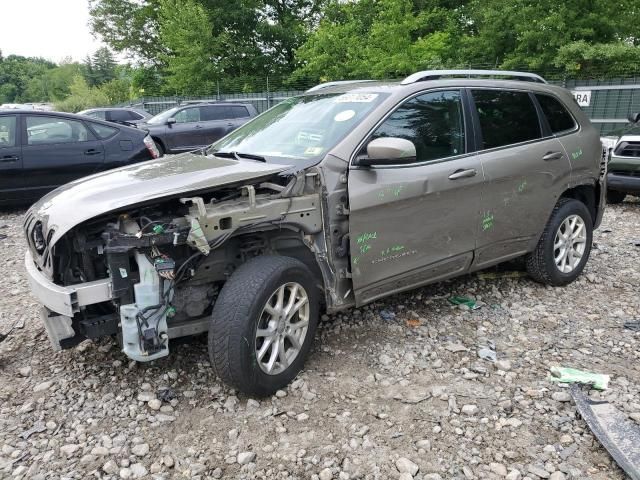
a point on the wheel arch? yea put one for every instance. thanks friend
(589, 195)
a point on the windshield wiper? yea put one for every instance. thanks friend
(238, 156)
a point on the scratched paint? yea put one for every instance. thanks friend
(487, 221)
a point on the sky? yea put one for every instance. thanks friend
(53, 29)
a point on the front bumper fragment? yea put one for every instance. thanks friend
(65, 300)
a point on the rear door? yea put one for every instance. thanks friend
(57, 150)
(240, 114)
(416, 223)
(11, 177)
(217, 122)
(526, 170)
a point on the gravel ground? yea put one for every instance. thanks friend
(394, 390)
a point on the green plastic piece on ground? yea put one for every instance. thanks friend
(171, 311)
(469, 302)
(599, 381)
(158, 229)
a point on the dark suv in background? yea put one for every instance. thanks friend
(189, 127)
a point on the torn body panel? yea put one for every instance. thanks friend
(151, 273)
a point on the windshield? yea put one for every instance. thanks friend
(300, 127)
(162, 117)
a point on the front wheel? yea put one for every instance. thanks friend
(565, 245)
(263, 324)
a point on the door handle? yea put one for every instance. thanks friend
(9, 159)
(198, 127)
(471, 172)
(230, 124)
(552, 156)
(92, 151)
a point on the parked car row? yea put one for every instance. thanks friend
(40, 151)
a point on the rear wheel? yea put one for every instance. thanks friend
(161, 150)
(614, 197)
(263, 324)
(565, 244)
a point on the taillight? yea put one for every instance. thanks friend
(151, 146)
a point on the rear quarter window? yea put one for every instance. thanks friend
(506, 117)
(559, 119)
(102, 131)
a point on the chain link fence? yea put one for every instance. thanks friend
(607, 99)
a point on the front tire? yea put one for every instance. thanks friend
(565, 245)
(263, 324)
(614, 197)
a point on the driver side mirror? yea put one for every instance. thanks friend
(171, 121)
(634, 117)
(388, 151)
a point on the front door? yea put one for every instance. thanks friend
(57, 150)
(416, 223)
(11, 177)
(186, 133)
(525, 171)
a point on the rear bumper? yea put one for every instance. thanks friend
(623, 183)
(65, 300)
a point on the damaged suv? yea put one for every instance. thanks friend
(329, 200)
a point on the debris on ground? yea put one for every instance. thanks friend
(469, 302)
(633, 325)
(500, 275)
(599, 381)
(488, 352)
(387, 315)
(613, 430)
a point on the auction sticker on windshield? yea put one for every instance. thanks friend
(356, 98)
(344, 115)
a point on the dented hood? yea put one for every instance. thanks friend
(170, 176)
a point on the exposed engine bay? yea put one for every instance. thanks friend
(168, 261)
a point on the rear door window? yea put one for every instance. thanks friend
(8, 131)
(506, 117)
(43, 130)
(100, 115)
(560, 120)
(120, 115)
(215, 112)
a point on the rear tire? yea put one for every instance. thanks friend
(250, 321)
(565, 244)
(161, 150)
(614, 197)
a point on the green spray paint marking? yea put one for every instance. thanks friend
(522, 186)
(391, 192)
(355, 260)
(487, 221)
(576, 154)
(392, 249)
(365, 248)
(365, 237)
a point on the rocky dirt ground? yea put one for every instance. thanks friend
(394, 390)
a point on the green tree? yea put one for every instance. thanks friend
(82, 96)
(102, 67)
(15, 74)
(128, 26)
(379, 39)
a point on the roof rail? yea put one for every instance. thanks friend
(320, 86)
(436, 74)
